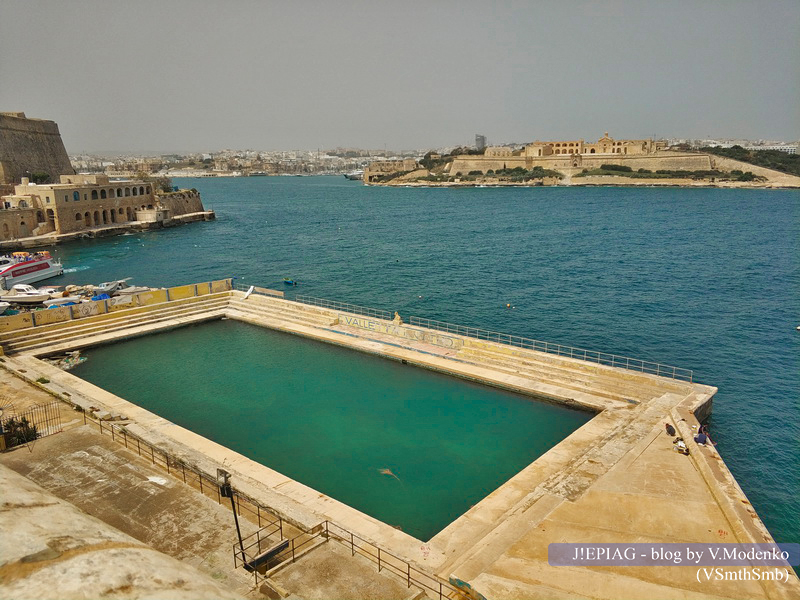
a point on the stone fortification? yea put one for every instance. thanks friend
(30, 146)
(181, 202)
(658, 160)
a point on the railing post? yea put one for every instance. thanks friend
(379, 559)
(352, 544)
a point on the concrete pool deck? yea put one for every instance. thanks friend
(616, 479)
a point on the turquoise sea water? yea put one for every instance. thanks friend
(333, 418)
(703, 279)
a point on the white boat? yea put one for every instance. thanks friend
(109, 287)
(355, 175)
(4, 306)
(26, 267)
(22, 293)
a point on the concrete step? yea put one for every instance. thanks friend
(309, 319)
(623, 385)
(116, 318)
(89, 329)
(107, 317)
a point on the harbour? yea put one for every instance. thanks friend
(439, 292)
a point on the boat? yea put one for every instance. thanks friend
(22, 293)
(27, 267)
(355, 175)
(4, 306)
(109, 287)
(289, 281)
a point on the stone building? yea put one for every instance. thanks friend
(81, 202)
(567, 155)
(605, 145)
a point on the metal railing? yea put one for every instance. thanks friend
(269, 523)
(392, 563)
(375, 313)
(603, 358)
(189, 474)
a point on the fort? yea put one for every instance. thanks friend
(43, 201)
(616, 479)
(572, 158)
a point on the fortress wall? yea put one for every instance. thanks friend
(654, 162)
(32, 145)
(729, 164)
(182, 202)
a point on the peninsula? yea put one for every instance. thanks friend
(608, 161)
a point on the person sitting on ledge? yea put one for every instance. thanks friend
(701, 438)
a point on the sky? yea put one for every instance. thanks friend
(201, 76)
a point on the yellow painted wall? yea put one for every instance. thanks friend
(52, 315)
(181, 292)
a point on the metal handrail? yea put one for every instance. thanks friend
(375, 313)
(603, 358)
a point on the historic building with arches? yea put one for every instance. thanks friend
(84, 202)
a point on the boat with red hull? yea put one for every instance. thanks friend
(27, 267)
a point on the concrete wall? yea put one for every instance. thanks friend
(32, 145)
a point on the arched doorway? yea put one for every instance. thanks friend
(87, 219)
(97, 217)
(51, 218)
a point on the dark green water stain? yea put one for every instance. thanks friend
(333, 418)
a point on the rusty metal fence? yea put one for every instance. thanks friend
(30, 425)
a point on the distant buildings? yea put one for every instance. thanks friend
(480, 141)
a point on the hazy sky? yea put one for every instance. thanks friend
(178, 75)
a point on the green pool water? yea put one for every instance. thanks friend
(333, 418)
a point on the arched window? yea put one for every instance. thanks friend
(103, 195)
(149, 207)
(94, 194)
(119, 192)
(592, 151)
(39, 217)
(141, 190)
(135, 191)
(127, 191)
(120, 211)
(77, 216)
(148, 189)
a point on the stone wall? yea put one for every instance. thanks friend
(181, 202)
(662, 160)
(30, 146)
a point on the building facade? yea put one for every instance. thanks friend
(82, 202)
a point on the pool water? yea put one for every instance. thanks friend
(410, 447)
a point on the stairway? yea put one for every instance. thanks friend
(79, 333)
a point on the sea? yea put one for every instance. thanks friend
(703, 279)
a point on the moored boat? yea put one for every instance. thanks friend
(26, 267)
(22, 293)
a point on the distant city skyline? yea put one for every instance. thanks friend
(198, 76)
